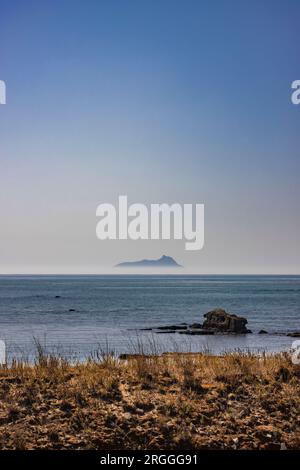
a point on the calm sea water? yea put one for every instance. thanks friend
(109, 310)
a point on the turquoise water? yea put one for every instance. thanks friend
(109, 310)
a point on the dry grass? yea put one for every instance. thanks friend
(173, 401)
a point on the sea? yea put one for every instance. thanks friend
(81, 317)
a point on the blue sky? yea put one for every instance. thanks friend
(165, 101)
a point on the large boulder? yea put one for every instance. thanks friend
(221, 321)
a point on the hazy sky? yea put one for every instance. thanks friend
(163, 101)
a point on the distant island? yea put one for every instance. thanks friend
(163, 262)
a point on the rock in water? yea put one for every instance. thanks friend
(196, 326)
(295, 334)
(196, 332)
(221, 321)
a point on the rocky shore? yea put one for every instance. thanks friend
(217, 321)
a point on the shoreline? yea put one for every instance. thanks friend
(150, 344)
(168, 402)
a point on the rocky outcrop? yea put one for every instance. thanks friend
(220, 321)
(216, 321)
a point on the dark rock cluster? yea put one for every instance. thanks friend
(216, 321)
(220, 321)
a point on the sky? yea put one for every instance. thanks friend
(162, 101)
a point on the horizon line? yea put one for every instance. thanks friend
(147, 274)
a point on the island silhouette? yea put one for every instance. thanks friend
(163, 262)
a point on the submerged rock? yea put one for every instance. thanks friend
(172, 327)
(221, 321)
(262, 332)
(196, 326)
(165, 331)
(295, 334)
(197, 332)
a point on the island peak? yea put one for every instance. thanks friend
(163, 262)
